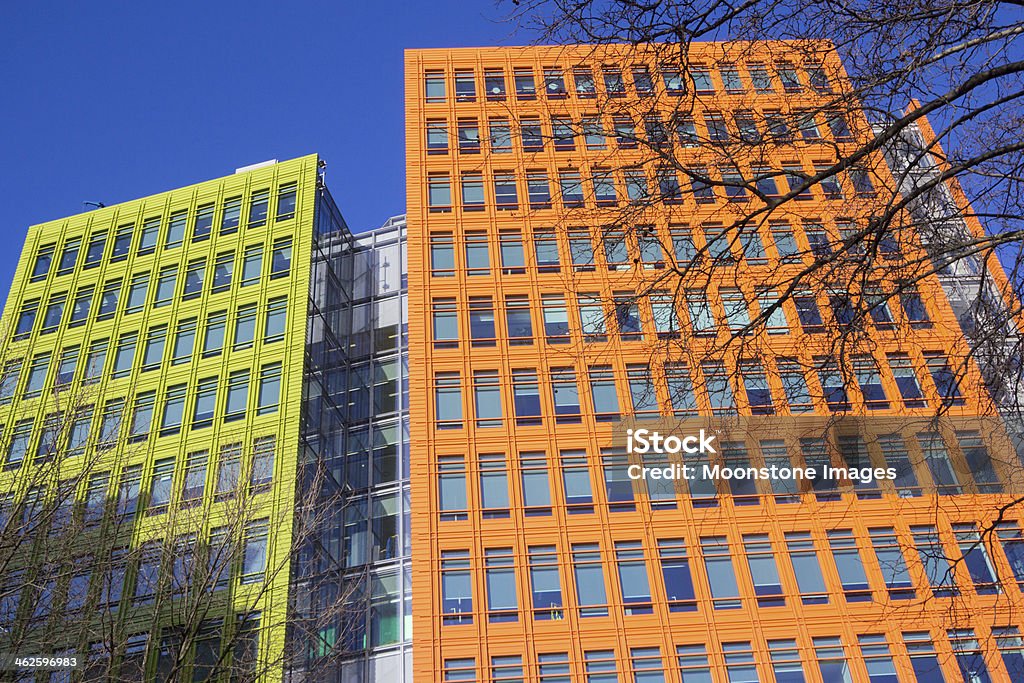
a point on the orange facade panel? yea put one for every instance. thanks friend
(556, 305)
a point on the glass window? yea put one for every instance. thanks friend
(195, 273)
(448, 400)
(176, 227)
(500, 581)
(252, 264)
(245, 327)
(433, 85)
(205, 403)
(589, 577)
(277, 316)
(571, 187)
(136, 293)
(439, 193)
(545, 583)
(603, 393)
(269, 396)
(286, 195)
(174, 409)
(142, 416)
(254, 557)
(124, 355)
(494, 84)
(259, 203)
(465, 86)
(719, 567)
(526, 397)
(565, 395)
(80, 306)
(456, 587)
(94, 250)
(203, 225)
(156, 339)
(213, 334)
(237, 395)
(165, 286)
(231, 216)
(468, 136)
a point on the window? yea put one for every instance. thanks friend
(468, 136)
(500, 136)
(979, 462)
(176, 227)
(604, 188)
(205, 403)
(571, 188)
(26, 318)
(807, 312)
(184, 341)
(229, 466)
(531, 134)
(231, 216)
(701, 316)
(589, 577)
(808, 126)
(237, 395)
(124, 355)
(870, 382)
(1011, 649)
(633, 580)
(494, 84)
(526, 397)
(913, 306)
(892, 563)
(54, 312)
(517, 319)
(69, 255)
(442, 254)
(38, 370)
(203, 224)
(545, 583)
(194, 484)
(719, 568)
(245, 327)
(947, 384)
(433, 83)
(643, 396)
(565, 395)
(862, 183)
(576, 488)
(804, 559)
(277, 316)
(786, 664)
(254, 556)
(493, 485)
(286, 195)
(536, 486)
(136, 294)
(614, 86)
(737, 316)
(968, 654)
(437, 137)
(439, 193)
(538, 190)
(161, 485)
(556, 319)
(505, 193)
(222, 271)
(95, 361)
(603, 394)
(80, 306)
(472, 192)
(456, 587)
(546, 251)
(156, 339)
(446, 323)
(592, 318)
(174, 409)
(500, 581)
(259, 204)
(269, 396)
(252, 264)
(755, 382)
(839, 127)
(213, 335)
(195, 273)
(481, 321)
(448, 400)
(41, 265)
(165, 286)
(465, 86)
(18, 446)
(849, 564)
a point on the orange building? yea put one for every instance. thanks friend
(549, 323)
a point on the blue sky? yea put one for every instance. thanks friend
(111, 101)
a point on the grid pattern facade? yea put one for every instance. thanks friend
(537, 558)
(157, 347)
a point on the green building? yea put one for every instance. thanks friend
(169, 434)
